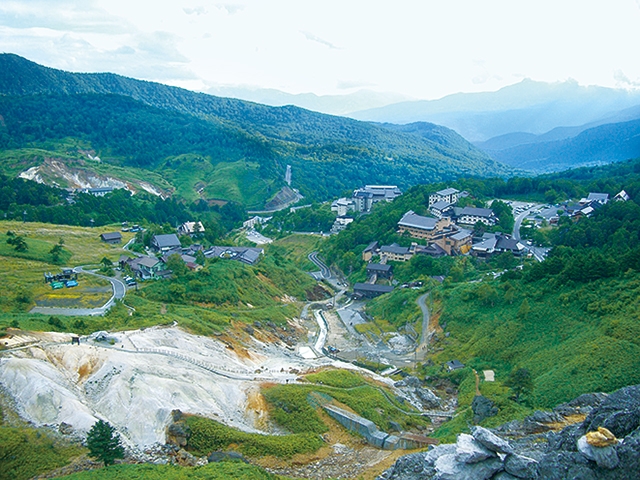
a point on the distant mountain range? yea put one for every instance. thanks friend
(526, 107)
(211, 147)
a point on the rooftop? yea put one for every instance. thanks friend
(477, 212)
(447, 191)
(166, 241)
(412, 220)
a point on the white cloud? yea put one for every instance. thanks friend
(200, 10)
(313, 38)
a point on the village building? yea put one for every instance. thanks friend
(145, 267)
(622, 196)
(492, 244)
(434, 250)
(424, 227)
(448, 195)
(441, 209)
(248, 255)
(369, 290)
(473, 215)
(191, 228)
(601, 198)
(111, 237)
(457, 243)
(395, 253)
(340, 224)
(164, 243)
(381, 270)
(342, 206)
(371, 250)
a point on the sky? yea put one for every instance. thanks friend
(423, 49)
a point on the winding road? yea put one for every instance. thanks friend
(313, 257)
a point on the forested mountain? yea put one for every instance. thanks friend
(594, 146)
(159, 123)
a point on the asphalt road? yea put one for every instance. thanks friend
(313, 257)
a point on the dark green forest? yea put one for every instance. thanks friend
(143, 124)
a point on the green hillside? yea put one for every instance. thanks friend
(147, 125)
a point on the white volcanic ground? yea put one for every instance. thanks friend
(136, 382)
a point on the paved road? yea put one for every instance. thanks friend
(119, 291)
(518, 223)
(313, 257)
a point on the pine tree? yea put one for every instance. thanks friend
(104, 443)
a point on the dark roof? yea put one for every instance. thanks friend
(477, 212)
(507, 243)
(440, 205)
(455, 364)
(378, 267)
(395, 248)
(148, 262)
(447, 191)
(433, 250)
(111, 236)
(371, 247)
(410, 219)
(368, 287)
(166, 241)
(598, 197)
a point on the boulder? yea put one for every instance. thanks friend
(564, 465)
(605, 457)
(619, 412)
(583, 404)
(468, 450)
(449, 468)
(185, 459)
(410, 467)
(490, 440)
(427, 397)
(482, 408)
(65, 428)
(503, 476)
(520, 466)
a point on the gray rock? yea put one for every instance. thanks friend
(448, 468)
(605, 457)
(545, 417)
(619, 412)
(65, 428)
(439, 450)
(482, 408)
(583, 404)
(566, 439)
(565, 465)
(503, 476)
(468, 450)
(520, 466)
(427, 397)
(629, 455)
(410, 467)
(490, 440)
(395, 426)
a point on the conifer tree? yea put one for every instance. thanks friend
(104, 443)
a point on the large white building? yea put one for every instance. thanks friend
(449, 195)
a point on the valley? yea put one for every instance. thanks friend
(246, 291)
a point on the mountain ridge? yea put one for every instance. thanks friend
(329, 153)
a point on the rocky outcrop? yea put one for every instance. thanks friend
(482, 408)
(418, 393)
(606, 445)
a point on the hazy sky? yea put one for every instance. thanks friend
(420, 48)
